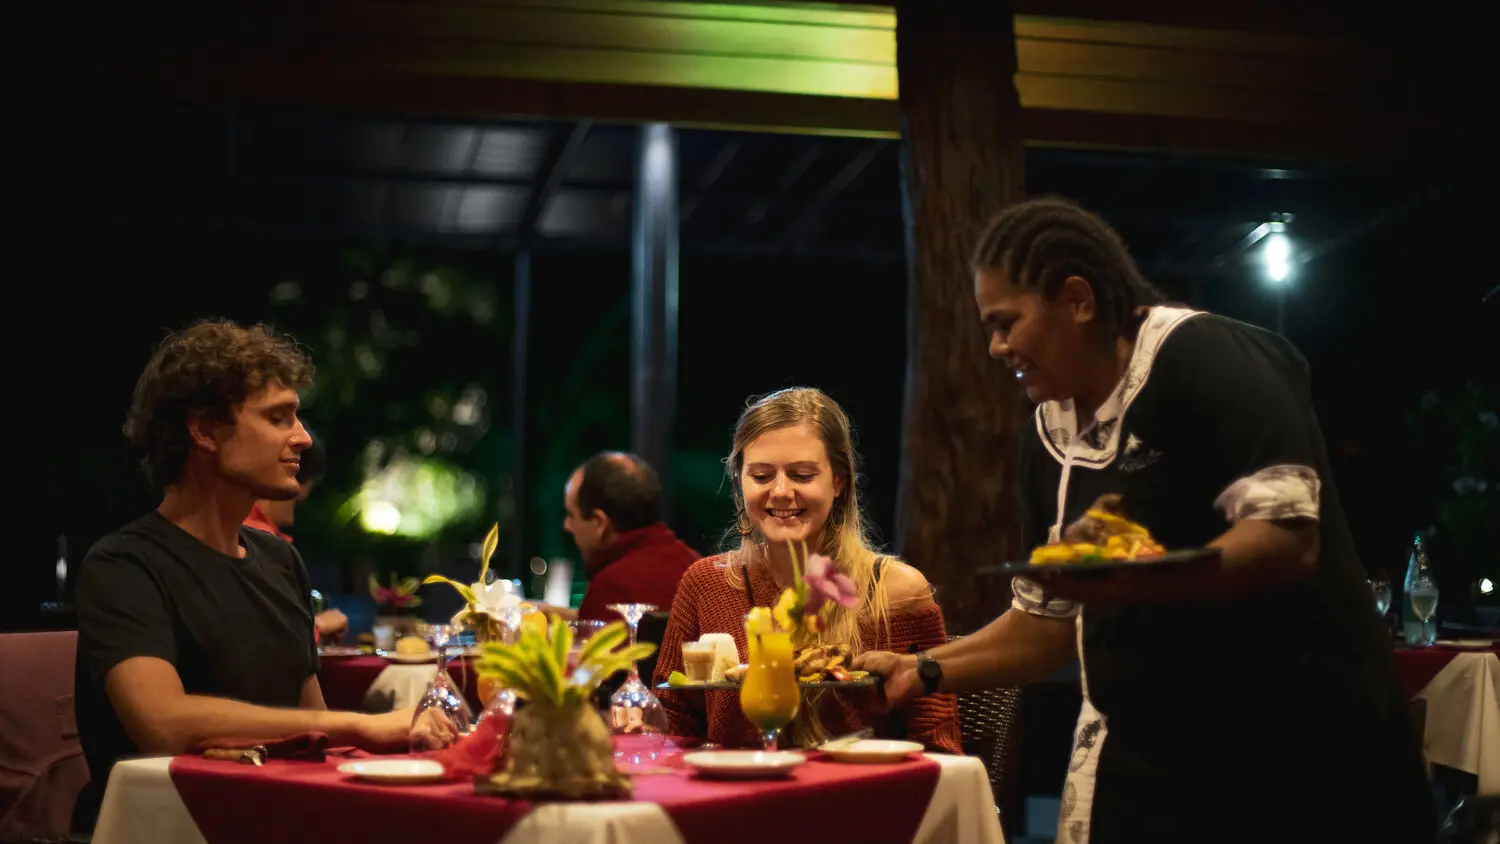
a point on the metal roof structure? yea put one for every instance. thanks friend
(483, 185)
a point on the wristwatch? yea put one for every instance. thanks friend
(929, 672)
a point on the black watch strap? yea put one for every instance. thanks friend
(929, 672)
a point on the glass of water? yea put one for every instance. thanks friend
(1424, 602)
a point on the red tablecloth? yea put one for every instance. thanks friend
(821, 801)
(1417, 666)
(314, 803)
(346, 679)
(293, 802)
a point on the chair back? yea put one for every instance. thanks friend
(653, 628)
(42, 768)
(990, 727)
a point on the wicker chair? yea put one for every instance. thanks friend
(990, 721)
(653, 628)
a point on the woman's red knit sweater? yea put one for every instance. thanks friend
(708, 601)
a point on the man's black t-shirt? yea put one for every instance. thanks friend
(233, 628)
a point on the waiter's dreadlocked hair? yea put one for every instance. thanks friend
(1043, 241)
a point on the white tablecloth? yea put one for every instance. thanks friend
(399, 686)
(1463, 718)
(141, 806)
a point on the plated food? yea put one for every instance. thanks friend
(411, 649)
(1101, 545)
(1106, 538)
(813, 665)
(412, 646)
(825, 663)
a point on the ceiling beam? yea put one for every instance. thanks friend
(562, 148)
(841, 181)
(792, 67)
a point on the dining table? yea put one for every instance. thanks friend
(375, 683)
(1458, 687)
(924, 798)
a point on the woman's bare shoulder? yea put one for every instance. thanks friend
(905, 587)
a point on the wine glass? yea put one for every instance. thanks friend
(1424, 601)
(442, 714)
(633, 710)
(769, 695)
(583, 631)
(1381, 588)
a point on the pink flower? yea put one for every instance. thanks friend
(825, 583)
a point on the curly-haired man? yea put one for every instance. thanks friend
(192, 629)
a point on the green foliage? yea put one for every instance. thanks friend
(535, 666)
(412, 362)
(1457, 432)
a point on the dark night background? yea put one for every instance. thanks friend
(790, 274)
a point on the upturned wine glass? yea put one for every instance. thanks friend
(634, 710)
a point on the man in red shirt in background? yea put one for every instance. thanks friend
(629, 554)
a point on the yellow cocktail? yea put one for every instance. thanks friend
(769, 696)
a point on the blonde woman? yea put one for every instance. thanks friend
(793, 472)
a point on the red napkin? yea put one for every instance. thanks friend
(308, 747)
(477, 753)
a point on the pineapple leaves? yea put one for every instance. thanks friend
(606, 664)
(562, 641)
(602, 642)
(539, 656)
(509, 677)
(535, 666)
(511, 666)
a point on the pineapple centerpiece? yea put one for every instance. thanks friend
(558, 745)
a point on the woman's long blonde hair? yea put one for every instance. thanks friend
(845, 539)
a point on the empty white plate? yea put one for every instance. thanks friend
(875, 750)
(743, 764)
(395, 771)
(1467, 644)
(412, 659)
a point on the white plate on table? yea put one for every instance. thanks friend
(395, 771)
(874, 751)
(412, 659)
(743, 764)
(1466, 644)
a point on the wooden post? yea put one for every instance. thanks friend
(963, 162)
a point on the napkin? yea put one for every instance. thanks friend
(478, 752)
(309, 747)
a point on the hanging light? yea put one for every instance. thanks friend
(1277, 253)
